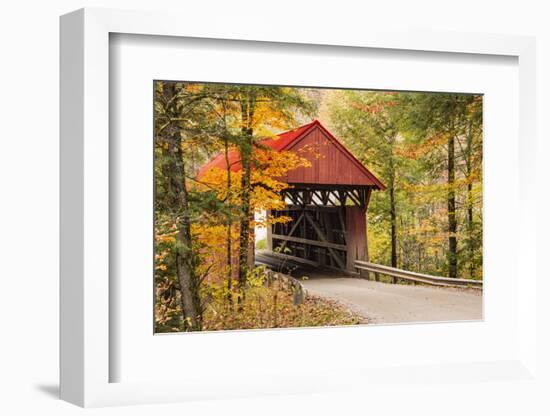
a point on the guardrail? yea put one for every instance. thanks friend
(396, 274)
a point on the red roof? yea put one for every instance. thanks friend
(358, 173)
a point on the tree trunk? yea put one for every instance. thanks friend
(229, 224)
(470, 204)
(471, 247)
(451, 207)
(244, 228)
(185, 257)
(246, 153)
(393, 217)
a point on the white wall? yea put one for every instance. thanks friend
(29, 207)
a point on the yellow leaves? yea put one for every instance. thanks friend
(424, 193)
(267, 118)
(264, 199)
(216, 179)
(212, 235)
(276, 164)
(212, 240)
(312, 151)
(266, 131)
(267, 179)
(166, 238)
(263, 221)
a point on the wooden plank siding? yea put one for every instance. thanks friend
(356, 236)
(329, 164)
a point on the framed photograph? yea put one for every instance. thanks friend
(274, 223)
(282, 213)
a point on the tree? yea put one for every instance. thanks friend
(253, 112)
(266, 193)
(368, 125)
(175, 105)
(471, 152)
(223, 117)
(427, 149)
(443, 120)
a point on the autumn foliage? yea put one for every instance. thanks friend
(426, 148)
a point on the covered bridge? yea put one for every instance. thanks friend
(327, 201)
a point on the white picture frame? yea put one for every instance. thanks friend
(85, 216)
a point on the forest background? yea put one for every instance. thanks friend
(425, 147)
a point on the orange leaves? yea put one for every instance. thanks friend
(193, 88)
(212, 240)
(166, 238)
(267, 178)
(274, 165)
(416, 150)
(267, 183)
(159, 260)
(166, 232)
(375, 107)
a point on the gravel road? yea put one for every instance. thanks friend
(384, 303)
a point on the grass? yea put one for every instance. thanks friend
(261, 244)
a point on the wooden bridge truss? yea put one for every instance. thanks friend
(327, 227)
(328, 196)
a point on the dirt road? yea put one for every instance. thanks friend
(384, 303)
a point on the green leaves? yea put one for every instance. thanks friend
(403, 138)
